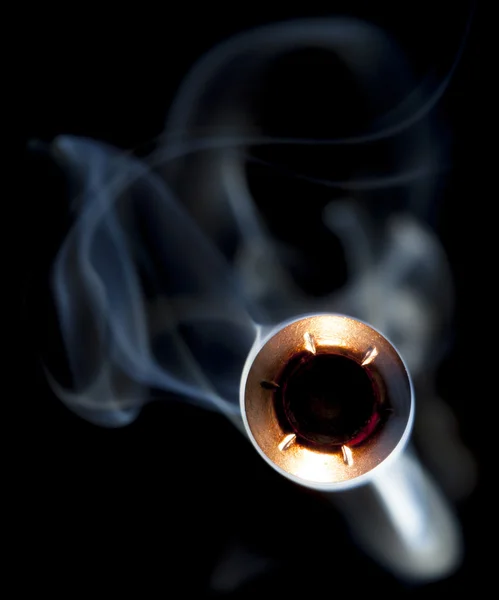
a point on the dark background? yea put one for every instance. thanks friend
(155, 506)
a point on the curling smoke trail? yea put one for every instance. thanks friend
(170, 271)
(122, 316)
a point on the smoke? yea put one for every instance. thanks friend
(135, 283)
(176, 262)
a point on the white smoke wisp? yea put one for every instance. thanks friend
(134, 281)
(170, 270)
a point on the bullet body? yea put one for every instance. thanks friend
(328, 402)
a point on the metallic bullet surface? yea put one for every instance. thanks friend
(326, 399)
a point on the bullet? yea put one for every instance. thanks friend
(327, 401)
(338, 389)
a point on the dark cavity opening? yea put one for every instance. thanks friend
(326, 399)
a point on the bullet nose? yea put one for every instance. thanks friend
(326, 399)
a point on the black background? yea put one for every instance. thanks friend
(153, 507)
